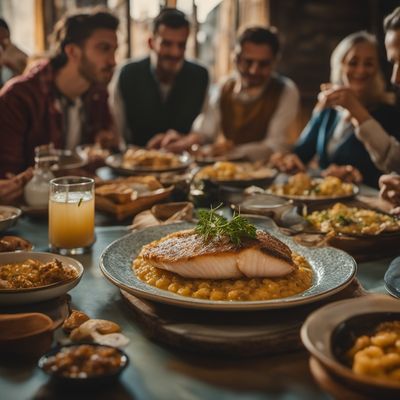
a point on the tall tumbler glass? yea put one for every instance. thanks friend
(71, 215)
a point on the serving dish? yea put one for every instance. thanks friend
(333, 270)
(115, 161)
(37, 294)
(81, 381)
(126, 197)
(330, 331)
(239, 175)
(303, 183)
(8, 217)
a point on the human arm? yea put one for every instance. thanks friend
(13, 188)
(15, 120)
(383, 148)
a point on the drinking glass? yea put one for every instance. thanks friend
(71, 215)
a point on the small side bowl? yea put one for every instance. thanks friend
(26, 335)
(83, 382)
(331, 330)
(11, 215)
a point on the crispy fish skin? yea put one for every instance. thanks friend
(188, 254)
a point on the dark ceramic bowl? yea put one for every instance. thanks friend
(331, 331)
(84, 382)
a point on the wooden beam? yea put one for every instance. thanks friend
(40, 34)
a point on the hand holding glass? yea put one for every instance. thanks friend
(71, 215)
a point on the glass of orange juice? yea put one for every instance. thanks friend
(71, 215)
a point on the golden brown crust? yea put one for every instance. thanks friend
(186, 245)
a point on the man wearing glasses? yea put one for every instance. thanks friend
(251, 113)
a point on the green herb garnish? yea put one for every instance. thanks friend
(213, 225)
(344, 221)
(80, 201)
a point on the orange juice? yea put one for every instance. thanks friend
(71, 220)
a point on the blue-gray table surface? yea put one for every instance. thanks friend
(158, 372)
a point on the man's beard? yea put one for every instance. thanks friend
(88, 71)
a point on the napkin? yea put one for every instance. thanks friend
(163, 214)
(392, 277)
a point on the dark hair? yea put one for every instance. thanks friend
(392, 21)
(260, 35)
(3, 24)
(172, 18)
(77, 28)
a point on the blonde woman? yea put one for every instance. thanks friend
(356, 91)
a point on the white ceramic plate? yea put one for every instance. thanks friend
(333, 270)
(115, 162)
(317, 331)
(37, 294)
(8, 217)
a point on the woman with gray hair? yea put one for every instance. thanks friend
(356, 90)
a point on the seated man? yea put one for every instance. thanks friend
(62, 100)
(12, 59)
(255, 108)
(161, 93)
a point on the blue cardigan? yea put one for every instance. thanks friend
(315, 137)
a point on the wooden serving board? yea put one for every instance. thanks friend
(246, 333)
(131, 208)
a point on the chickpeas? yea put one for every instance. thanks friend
(379, 354)
(244, 289)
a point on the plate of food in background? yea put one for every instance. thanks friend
(8, 217)
(139, 161)
(303, 188)
(225, 173)
(297, 275)
(364, 232)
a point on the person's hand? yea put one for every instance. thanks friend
(390, 188)
(170, 140)
(334, 95)
(347, 173)
(107, 139)
(12, 188)
(287, 163)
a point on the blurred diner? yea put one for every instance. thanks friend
(12, 59)
(156, 99)
(250, 114)
(356, 93)
(62, 99)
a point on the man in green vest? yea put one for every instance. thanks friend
(252, 112)
(156, 99)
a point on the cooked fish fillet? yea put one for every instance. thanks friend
(187, 254)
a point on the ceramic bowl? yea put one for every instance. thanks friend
(8, 217)
(105, 378)
(25, 335)
(330, 332)
(41, 293)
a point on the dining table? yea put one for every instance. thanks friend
(158, 371)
